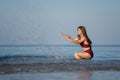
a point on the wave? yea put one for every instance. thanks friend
(56, 58)
(48, 64)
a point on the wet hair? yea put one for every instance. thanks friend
(82, 28)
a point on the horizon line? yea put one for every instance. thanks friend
(56, 44)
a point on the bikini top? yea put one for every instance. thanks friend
(85, 45)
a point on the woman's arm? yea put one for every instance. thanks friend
(76, 40)
(65, 35)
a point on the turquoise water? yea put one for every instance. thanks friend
(56, 61)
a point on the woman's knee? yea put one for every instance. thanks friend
(76, 55)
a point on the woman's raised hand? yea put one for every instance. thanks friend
(65, 35)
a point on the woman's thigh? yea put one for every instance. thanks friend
(83, 55)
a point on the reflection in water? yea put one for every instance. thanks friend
(85, 75)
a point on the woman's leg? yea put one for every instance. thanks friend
(80, 55)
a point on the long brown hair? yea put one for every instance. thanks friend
(82, 28)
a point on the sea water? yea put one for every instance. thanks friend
(51, 62)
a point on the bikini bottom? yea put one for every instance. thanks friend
(89, 51)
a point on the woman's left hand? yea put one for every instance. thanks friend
(65, 35)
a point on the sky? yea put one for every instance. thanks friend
(26, 22)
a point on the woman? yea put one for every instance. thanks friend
(84, 41)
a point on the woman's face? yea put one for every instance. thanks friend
(79, 31)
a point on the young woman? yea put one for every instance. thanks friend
(84, 41)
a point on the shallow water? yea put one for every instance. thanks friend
(46, 58)
(51, 62)
(75, 75)
(82, 65)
